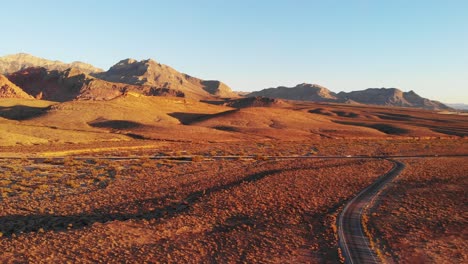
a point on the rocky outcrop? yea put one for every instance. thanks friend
(10, 90)
(218, 88)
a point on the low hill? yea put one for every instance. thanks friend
(218, 89)
(145, 110)
(281, 123)
(127, 117)
(255, 102)
(16, 62)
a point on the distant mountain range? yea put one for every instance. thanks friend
(459, 106)
(13, 63)
(28, 76)
(372, 96)
(302, 92)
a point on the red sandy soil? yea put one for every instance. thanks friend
(218, 211)
(28, 122)
(342, 147)
(423, 215)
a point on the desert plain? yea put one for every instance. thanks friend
(173, 180)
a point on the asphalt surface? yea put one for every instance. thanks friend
(353, 242)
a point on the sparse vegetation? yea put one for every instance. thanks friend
(192, 206)
(51, 177)
(278, 208)
(422, 216)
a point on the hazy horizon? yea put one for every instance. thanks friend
(417, 45)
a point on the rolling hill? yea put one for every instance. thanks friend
(72, 84)
(133, 116)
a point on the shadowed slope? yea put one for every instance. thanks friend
(281, 123)
(396, 121)
(72, 84)
(10, 90)
(145, 110)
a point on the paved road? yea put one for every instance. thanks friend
(354, 243)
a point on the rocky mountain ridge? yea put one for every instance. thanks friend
(371, 96)
(151, 73)
(57, 81)
(20, 61)
(72, 84)
(302, 92)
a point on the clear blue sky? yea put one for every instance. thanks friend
(250, 45)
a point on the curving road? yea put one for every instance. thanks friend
(353, 242)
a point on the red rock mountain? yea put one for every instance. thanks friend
(72, 84)
(302, 92)
(58, 81)
(372, 96)
(10, 90)
(392, 97)
(157, 75)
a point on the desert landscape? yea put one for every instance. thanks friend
(144, 164)
(233, 132)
